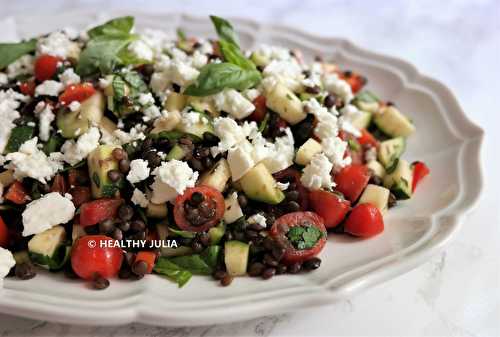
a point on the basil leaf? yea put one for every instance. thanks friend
(233, 54)
(192, 263)
(116, 27)
(9, 52)
(181, 35)
(215, 77)
(18, 136)
(224, 30)
(172, 271)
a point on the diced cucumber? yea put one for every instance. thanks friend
(258, 184)
(232, 211)
(177, 152)
(75, 123)
(218, 176)
(393, 123)
(100, 162)
(236, 257)
(377, 168)
(307, 151)
(390, 150)
(166, 123)
(285, 103)
(175, 102)
(216, 233)
(363, 120)
(375, 195)
(157, 211)
(203, 105)
(47, 249)
(259, 59)
(400, 180)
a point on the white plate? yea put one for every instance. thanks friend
(446, 140)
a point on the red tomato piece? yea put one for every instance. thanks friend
(356, 81)
(147, 256)
(329, 206)
(212, 199)
(260, 109)
(76, 92)
(59, 184)
(367, 138)
(90, 258)
(17, 193)
(292, 176)
(283, 224)
(420, 170)
(46, 67)
(364, 221)
(95, 211)
(80, 194)
(27, 88)
(352, 180)
(4, 234)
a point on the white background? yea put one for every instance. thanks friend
(457, 293)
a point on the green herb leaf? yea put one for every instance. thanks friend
(18, 136)
(172, 271)
(224, 30)
(367, 96)
(55, 262)
(304, 237)
(233, 54)
(264, 123)
(9, 52)
(192, 263)
(181, 233)
(135, 81)
(117, 27)
(354, 145)
(215, 77)
(53, 144)
(211, 256)
(118, 85)
(181, 35)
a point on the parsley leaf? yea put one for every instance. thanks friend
(9, 52)
(102, 52)
(304, 237)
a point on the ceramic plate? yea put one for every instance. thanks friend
(446, 140)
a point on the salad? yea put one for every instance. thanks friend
(124, 154)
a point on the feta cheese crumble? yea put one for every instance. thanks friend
(141, 50)
(258, 219)
(139, 198)
(333, 83)
(49, 88)
(56, 44)
(75, 152)
(50, 210)
(317, 174)
(45, 118)
(172, 178)
(31, 162)
(234, 103)
(6, 263)
(9, 102)
(139, 171)
(69, 77)
(22, 66)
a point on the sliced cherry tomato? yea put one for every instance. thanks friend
(89, 257)
(420, 170)
(364, 221)
(80, 195)
(260, 109)
(4, 234)
(280, 231)
(147, 256)
(59, 184)
(329, 206)
(356, 81)
(367, 138)
(292, 176)
(46, 67)
(212, 199)
(95, 211)
(27, 88)
(17, 193)
(76, 92)
(352, 180)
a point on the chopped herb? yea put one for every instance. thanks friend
(18, 136)
(304, 237)
(172, 271)
(9, 52)
(181, 35)
(354, 145)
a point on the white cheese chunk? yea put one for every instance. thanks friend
(22, 66)
(50, 210)
(139, 198)
(141, 50)
(257, 219)
(69, 77)
(49, 88)
(6, 263)
(317, 174)
(74, 152)
(240, 159)
(234, 103)
(9, 102)
(139, 171)
(45, 117)
(56, 44)
(172, 178)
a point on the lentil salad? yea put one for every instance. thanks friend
(245, 160)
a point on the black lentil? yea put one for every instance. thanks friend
(124, 166)
(268, 273)
(114, 175)
(226, 280)
(140, 268)
(256, 269)
(392, 200)
(25, 271)
(100, 282)
(311, 264)
(106, 226)
(294, 268)
(125, 212)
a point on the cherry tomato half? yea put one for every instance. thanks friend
(292, 176)
(260, 109)
(420, 170)
(367, 138)
(356, 81)
(329, 206)
(282, 226)
(211, 199)
(46, 67)
(4, 234)
(76, 92)
(364, 221)
(352, 180)
(17, 193)
(95, 211)
(89, 258)
(27, 88)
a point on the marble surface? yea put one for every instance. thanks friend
(456, 293)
